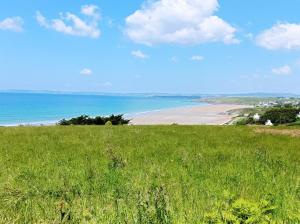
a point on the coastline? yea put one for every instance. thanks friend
(211, 114)
(208, 114)
(33, 124)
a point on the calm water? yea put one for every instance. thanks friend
(22, 108)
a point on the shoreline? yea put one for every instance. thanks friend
(206, 114)
(210, 114)
(33, 124)
(132, 115)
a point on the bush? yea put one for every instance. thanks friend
(296, 123)
(108, 123)
(242, 211)
(86, 120)
(153, 206)
(280, 116)
(244, 121)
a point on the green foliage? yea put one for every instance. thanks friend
(147, 174)
(280, 115)
(241, 211)
(116, 162)
(240, 100)
(280, 102)
(244, 121)
(277, 115)
(153, 207)
(86, 120)
(108, 123)
(296, 123)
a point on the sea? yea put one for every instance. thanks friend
(49, 108)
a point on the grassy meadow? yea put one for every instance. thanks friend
(155, 174)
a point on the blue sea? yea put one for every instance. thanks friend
(41, 108)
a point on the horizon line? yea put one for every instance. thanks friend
(249, 94)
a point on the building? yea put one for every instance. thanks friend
(269, 123)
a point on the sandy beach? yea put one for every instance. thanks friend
(216, 114)
(212, 114)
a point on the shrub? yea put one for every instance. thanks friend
(244, 121)
(153, 206)
(99, 121)
(86, 120)
(108, 123)
(280, 116)
(63, 122)
(117, 120)
(241, 211)
(296, 123)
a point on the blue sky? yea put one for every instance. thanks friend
(133, 46)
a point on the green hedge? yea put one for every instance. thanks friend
(86, 120)
(280, 115)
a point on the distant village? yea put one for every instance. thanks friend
(270, 112)
(293, 102)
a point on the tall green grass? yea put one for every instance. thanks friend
(156, 174)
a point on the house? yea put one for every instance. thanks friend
(269, 123)
(256, 117)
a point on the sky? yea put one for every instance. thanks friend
(150, 46)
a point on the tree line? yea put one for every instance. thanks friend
(98, 120)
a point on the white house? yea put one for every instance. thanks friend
(298, 116)
(269, 123)
(256, 117)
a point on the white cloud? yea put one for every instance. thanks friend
(90, 10)
(284, 70)
(179, 22)
(12, 23)
(86, 71)
(174, 59)
(197, 58)
(280, 36)
(71, 24)
(139, 54)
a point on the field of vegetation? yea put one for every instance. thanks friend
(239, 100)
(251, 100)
(148, 175)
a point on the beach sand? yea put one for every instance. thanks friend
(216, 114)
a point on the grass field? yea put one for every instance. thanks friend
(159, 174)
(240, 100)
(249, 100)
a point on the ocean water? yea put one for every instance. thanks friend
(35, 108)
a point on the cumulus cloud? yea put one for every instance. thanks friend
(72, 24)
(139, 54)
(86, 71)
(179, 22)
(90, 10)
(12, 23)
(197, 58)
(280, 36)
(284, 70)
